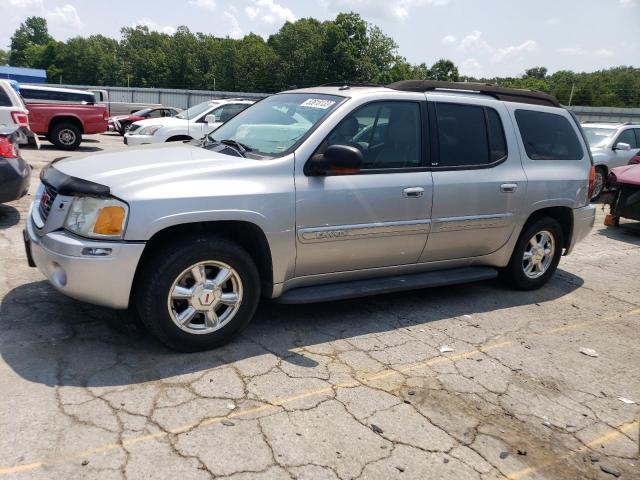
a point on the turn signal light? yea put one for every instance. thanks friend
(110, 221)
(592, 181)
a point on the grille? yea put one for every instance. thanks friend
(46, 201)
(133, 128)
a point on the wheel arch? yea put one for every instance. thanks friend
(246, 234)
(66, 119)
(178, 138)
(562, 214)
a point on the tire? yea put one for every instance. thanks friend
(601, 178)
(124, 128)
(170, 269)
(65, 136)
(514, 273)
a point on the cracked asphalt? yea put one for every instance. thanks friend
(346, 390)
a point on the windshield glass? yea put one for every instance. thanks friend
(196, 110)
(141, 113)
(276, 124)
(598, 137)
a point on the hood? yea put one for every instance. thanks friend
(629, 174)
(164, 121)
(150, 168)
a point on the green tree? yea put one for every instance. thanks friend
(445, 70)
(536, 72)
(32, 32)
(4, 57)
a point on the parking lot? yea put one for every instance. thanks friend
(475, 381)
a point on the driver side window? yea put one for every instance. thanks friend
(387, 133)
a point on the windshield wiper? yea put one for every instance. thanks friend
(238, 147)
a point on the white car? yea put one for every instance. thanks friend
(13, 112)
(193, 123)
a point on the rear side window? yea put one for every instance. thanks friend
(548, 136)
(5, 101)
(469, 135)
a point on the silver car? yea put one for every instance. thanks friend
(612, 145)
(315, 195)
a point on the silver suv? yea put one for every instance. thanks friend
(612, 145)
(314, 195)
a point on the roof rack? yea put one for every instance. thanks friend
(501, 93)
(351, 84)
(631, 123)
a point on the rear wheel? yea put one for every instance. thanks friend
(65, 136)
(198, 293)
(536, 255)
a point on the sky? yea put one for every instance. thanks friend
(484, 38)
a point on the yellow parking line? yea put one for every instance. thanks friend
(306, 394)
(602, 440)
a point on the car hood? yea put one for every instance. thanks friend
(133, 171)
(629, 174)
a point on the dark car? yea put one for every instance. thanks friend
(624, 200)
(14, 171)
(121, 123)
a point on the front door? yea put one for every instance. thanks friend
(622, 157)
(479, 184)
(375, 218)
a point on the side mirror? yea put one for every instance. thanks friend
(336, 159)
(625, 147)
(211, 118)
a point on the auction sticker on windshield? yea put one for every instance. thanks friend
(317, 103)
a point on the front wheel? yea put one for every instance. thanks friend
(536, 255)
(198, 293)
(124, 128)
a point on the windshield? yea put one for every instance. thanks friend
(196, 110)
(598, 137)
(278, 123)
(141, 113)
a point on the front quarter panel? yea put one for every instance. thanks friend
(256, 191)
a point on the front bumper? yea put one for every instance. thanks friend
(65, 260)
(134, 140)
(15, 176)
(583, 220)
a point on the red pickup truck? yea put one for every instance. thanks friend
(64, 123)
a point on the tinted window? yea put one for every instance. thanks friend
(627, 137)
(5, 101)
(547, 136)
(497, 142)
(227, 112)
(56, 96)
(637, 130)
(469, 135)
(387, 134)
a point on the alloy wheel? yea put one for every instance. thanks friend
(538, 254)
(205, 297)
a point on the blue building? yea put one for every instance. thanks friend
(25, 75)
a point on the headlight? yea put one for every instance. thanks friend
(150, 130)
(97, 217)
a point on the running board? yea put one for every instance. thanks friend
(377, 286)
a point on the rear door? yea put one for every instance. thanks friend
(479, 184)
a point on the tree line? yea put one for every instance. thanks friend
(303, 53)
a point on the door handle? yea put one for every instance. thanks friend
(413, 192)
(508, 187)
